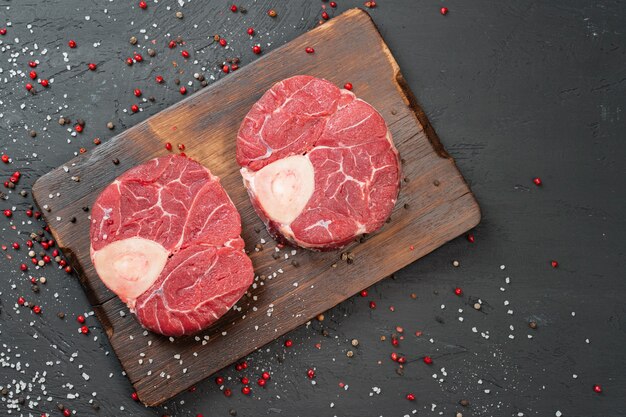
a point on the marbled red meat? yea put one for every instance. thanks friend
(165, 237)
(319, 163)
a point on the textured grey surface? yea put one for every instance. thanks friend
(514, 89)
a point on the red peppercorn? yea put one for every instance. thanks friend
(256, 49)
(36, 309)
(310, 373)
(272, 13)
(137, 92)
(443, 11)
(168, 146)
(8, 213)
(183, 90)
(245, 380)
(370, 4)
(246, 390)
(364, 293)
(228, 392)
(29, 86)
(250, 31)
(46, 259)
(265, 375)
(37, 214)
(158, 79)
(394, 341)
(138, 57)
(67, 412)
(32, 75)
(458, 291)
(244, 365)
(428, 360)
(34, 261)
(219, 380)
(44, 83)
(410, 397)
(32, 64)
(223, 42)
(470, 238)
(401, 359)
(134, 108)
(185, 54)
(17, 174)
(261, 382)
(44, 245)
(288, 343)
(134, 396)
(234, 67)
(372, 305)
(33, 280)
(143, 5)
(325, 16)
(554, 264)
(347, 86)
(29, 243)
(72, 44)
(233, 8)
(129, 61)
(238, 367)
(78, 128)
(225, 69)
(80, 319)
(309, 50)
(92, 66)
(21, 301)
(62, 262)
(333, 4)
(15, 245)
(84, 329)
(3, 31)
(537, 181)
(597, 388)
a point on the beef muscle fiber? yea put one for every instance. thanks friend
(319, 164)
(165, 239)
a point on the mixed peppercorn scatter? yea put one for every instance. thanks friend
(165, 63)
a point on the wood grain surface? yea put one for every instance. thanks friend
(435, 205)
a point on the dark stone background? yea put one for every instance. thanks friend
(515, 89)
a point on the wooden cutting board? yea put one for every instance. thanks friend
(435, 205)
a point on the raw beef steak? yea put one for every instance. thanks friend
(319, 164)
(165, 239)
